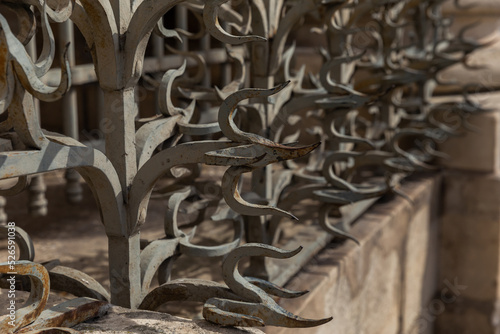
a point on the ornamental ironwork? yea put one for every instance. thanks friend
(366, 118)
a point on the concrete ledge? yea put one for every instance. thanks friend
(124, 321)
(383, 285)
(478, 7)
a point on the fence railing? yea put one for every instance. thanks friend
(363, 122)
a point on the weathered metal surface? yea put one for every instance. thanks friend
(38, 297)
(255, 307)
(368, 107)
(31, 318)
(25, 251)
(66, 315)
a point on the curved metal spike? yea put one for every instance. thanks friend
(210, 17)
(77, 283)
(59, 11)
(464, 30)
(27, 73)
(273, 289)
(411, 157)
(44, 62)
(237, 203)
(341, 198)
(403, 195)
(233, 278)
(198, 129)
(325, 78)
(162, 31)
(190, 249)
(185, 290)
(25, 248)
(229, 313)
(166, 106)
(39, 293)
(214, 311)
(200, 62)
(324, 222)
(26, 17)
(228, 107)
(244, 155)
(152, 134)
(258, 308)
(152, 258)
(171, 224)
(329, 174)
(199, 17)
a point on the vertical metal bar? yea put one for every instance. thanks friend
(125, 270)
(207, 80)
(120, 107)
(70, 113)
(261, 182)
(70, 107)
(226, 68)
(37, 202)
(159, 53)
(205, 46)
(181, 21)
(100, 107)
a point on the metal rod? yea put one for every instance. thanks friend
(37, 202)
(181, 21)
(74, 191)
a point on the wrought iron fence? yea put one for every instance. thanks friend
(367, 118)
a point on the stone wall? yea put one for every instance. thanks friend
(387, 284)
(470, 240)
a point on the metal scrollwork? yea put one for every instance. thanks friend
(362, 110)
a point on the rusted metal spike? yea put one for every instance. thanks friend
(324, 222)
(210, 17)
(77, 283)
(257, 308)
(31, 318)
(67, 314)
(233, 198)
(185, 290)
(25, 248)
(274, 289)
(38, 296)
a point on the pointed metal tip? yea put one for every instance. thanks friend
(280, 87)
(292, 253)
(356, 241)
(305, 323)
(179, 38)
(257, 38)
(315, 146)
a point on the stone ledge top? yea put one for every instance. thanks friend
(480, 7)
(119, 320)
